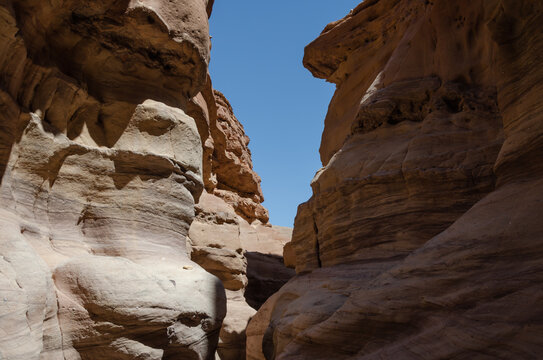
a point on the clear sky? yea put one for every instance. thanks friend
(256, 61)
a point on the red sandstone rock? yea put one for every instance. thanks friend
(227, 164)
(237, 183)
(421, 239)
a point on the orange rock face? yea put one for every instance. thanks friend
(421, 239)
(227, 164)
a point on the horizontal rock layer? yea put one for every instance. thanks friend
(230, 236)
(245, 257)
(100, 168)
(421, 238)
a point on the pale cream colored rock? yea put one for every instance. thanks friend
(100, 168)
(158, 129)
(28, 313)
(265, 238)
(217, 238)
(215, 243)
(92, 204)
(109, 304)
(232, 336)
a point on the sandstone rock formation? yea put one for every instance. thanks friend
(266, 268)
(422, 237)
(230, 236)
(112, 141)
(100, 170)
(224, 244)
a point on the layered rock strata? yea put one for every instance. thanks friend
(224, 244)
(230, 236)
(422, 237)
(100, 170)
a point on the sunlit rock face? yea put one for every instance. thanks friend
(246, 257)
(230, 236)
(101, 167)
(422, 239)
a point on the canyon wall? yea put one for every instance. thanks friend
(230, 236)
(101, 167)
(112, 141)
(422, 239)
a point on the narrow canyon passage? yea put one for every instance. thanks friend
(132, 218)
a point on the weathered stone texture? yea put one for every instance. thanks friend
(422, 237)
(230, 236)
(100, 170)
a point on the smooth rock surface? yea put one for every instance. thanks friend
(100, 171)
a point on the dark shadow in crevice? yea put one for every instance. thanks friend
(267, 274)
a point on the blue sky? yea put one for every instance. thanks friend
(256, 61)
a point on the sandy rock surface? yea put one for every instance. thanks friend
(227, 246)
(101, 168)
(230, 236)
(422, 237)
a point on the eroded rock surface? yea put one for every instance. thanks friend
(230, 236)
(422, 237)
(100, 170)
(245, 257)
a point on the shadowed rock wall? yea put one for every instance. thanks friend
(422, 237)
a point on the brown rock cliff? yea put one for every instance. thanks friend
(422, 237)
